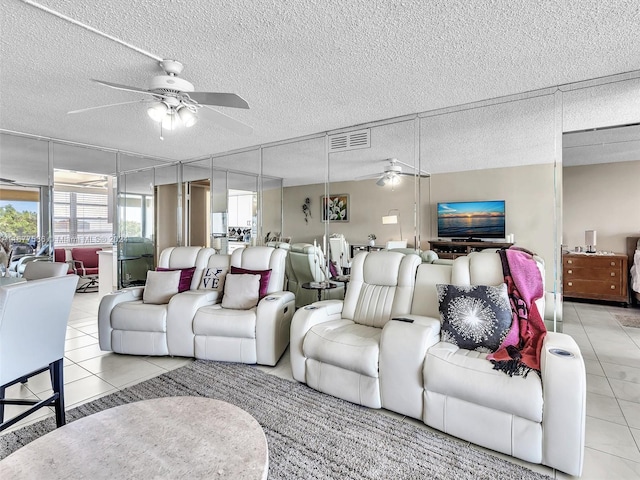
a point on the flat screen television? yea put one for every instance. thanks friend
(471, 220)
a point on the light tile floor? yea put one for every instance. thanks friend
(611, 353)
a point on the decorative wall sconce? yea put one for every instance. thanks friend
(306, 209)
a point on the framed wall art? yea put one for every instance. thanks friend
(335, 208)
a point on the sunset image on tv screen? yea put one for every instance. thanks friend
(471, 219)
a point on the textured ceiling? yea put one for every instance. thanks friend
(304, 66)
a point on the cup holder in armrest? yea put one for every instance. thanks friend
(270, 299)
(310, 307)
(561, 353)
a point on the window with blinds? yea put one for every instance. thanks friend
(81, 218)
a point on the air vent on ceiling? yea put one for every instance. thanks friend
(350, 141)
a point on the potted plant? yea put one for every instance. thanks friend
(372, 239)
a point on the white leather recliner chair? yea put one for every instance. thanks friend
(128, 325)
(308, 264)
(537, 419)
(340, 252)
(257, 335)
(337, 346)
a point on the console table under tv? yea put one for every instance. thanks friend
(452, 249)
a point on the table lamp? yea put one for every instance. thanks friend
(590, 240)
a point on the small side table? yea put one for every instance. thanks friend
(342, 279)
(319, 287)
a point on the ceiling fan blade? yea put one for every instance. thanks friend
(226, 121)
(117, 86)
(422, 175)
(105, 106)
(366, 177)
(219, 99)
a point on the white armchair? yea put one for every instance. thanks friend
(336, 345)
(43, 269)
(340, 252)
(128, 325)
(308, 264)
(33, 325)
(255, 335)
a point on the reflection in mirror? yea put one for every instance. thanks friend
(302, 167)
(136, 227)
(25, 220)
(82, 200)
(506, 152)
(235, 171)
(168, 199)
(379, 177)
(241, 210)
(219, 202)
(136, 215)
(197, 205)
(270, 210)
(601, 160)
(83, 205)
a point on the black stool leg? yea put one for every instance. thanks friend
(2, 393)
(58, 387)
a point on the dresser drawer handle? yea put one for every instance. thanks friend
(613, 264)
(613, 274)
(569, 261)
(570, 284)
(613, 287)
(569, 271)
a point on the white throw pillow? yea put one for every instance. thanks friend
(241, 291)
(160, 286)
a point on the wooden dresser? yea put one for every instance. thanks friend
(596, 277)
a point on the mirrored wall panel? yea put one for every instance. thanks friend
(493, 181)
(25, 192)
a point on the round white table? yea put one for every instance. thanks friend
(173, 437)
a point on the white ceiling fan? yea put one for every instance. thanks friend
(393, 171)
(173, 101)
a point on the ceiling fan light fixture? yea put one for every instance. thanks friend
(157, 111)
(188, 118)
(170, 121)
(382, 181)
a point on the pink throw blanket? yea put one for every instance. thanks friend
(520, 350)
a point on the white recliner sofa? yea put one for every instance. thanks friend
(540, 419)
(128, 325)
(257, 335)
(194, 323)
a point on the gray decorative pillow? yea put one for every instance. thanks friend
(160, 286)
(474, 317)
(241, 291)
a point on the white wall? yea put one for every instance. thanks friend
(601, 197)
